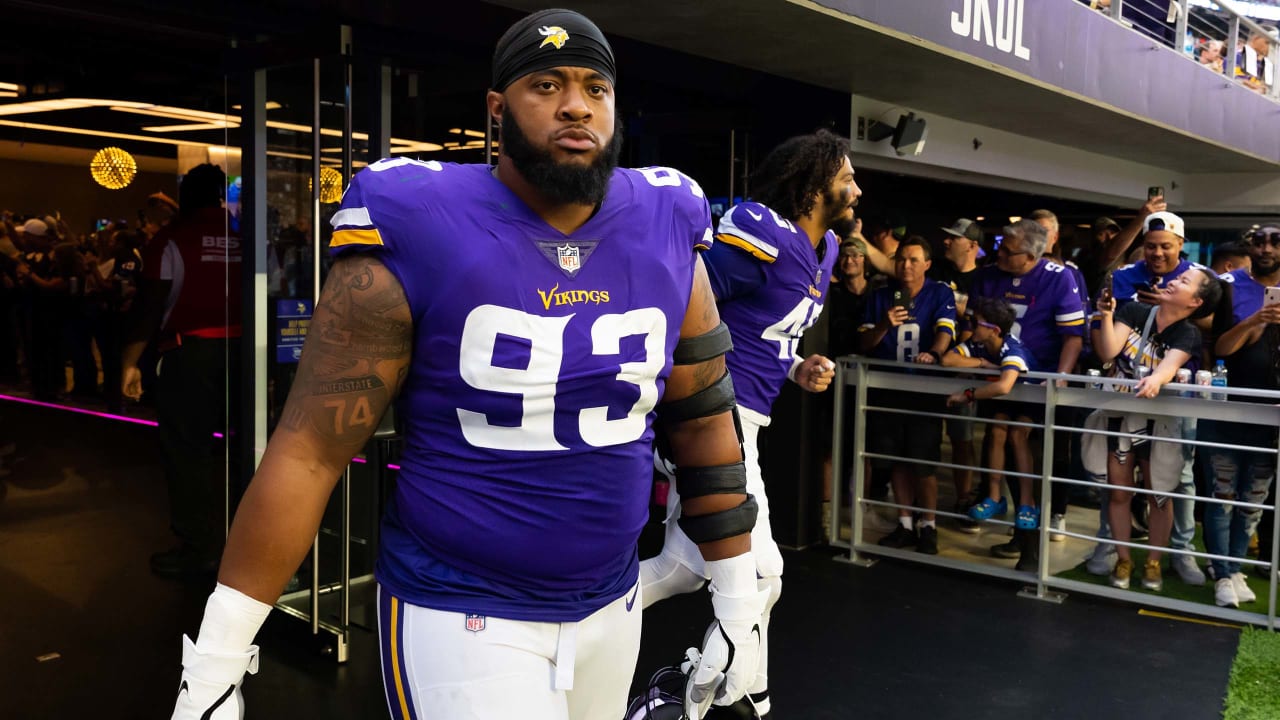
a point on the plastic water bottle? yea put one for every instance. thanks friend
(1189, 46)
(1219, 380)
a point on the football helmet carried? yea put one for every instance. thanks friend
(663, 699)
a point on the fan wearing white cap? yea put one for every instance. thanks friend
(1162, 236)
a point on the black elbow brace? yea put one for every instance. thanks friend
(720, 525)
(711, 344)
(714, 399)
(692, 482)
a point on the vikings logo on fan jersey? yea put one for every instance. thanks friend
(529, 403)
(770, 284)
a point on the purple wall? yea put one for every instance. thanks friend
(1065, 44)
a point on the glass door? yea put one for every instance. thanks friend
(306, 147)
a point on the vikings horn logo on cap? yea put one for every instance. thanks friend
(548, 39)
(555, 35)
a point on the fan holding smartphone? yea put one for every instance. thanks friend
(1162, 261)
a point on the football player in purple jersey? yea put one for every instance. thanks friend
(507, 566)
(770, 270)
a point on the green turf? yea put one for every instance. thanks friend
(1253, 693)
(1173, 585)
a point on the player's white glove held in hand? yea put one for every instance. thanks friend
(210, 687)
(724, 669)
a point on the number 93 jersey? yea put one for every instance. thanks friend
(770, 283)
(538, 360)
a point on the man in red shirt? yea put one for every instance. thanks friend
(191, 292)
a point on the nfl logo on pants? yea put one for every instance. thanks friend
(475, 623)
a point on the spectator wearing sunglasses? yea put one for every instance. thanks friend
(1231, 256)
(991, 346)
(1250, 347)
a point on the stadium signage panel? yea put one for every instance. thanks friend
(999, 27)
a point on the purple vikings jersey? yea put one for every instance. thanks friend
(932, 311)
(770, 284)
(1125, 281)
(538, 359)
(1012, 356)
(1047, 303)
(1247, 294)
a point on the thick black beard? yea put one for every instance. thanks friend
(560, 182)
(840, 225)
(1260, 269)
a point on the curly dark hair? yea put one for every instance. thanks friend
(792, 175)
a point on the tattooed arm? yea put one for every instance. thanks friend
(352, 365)
(710, 440)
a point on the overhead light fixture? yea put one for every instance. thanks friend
(8, 93)
(271, 105)
(101, 133)
(980, 218)
(218, 125)
(11, 87)
(1014, 218)
(113, 168)
(416, 147)
(176, 113)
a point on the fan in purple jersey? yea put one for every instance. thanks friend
(1063, 439)
(911, 320)
(770, 269)
(1161, 262)
(1043, 294)
(1046, 298)
(991, 346)
(1247, 343)
(507, 568)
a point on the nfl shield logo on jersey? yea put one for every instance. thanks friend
(570, 261)
(475, 623)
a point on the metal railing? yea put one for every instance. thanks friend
(1196, 27)
(856, 375)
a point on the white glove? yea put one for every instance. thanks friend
(724, 669)
(210, 688)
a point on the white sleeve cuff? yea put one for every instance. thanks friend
(791, 372)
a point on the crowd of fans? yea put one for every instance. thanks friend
(68, 299)
(1154, 19)
(1127, 303)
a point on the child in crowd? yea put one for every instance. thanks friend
(991, 346)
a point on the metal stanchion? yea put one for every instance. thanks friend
(1275, 554)
(837, 455)
(859, 466)
(865, 374)
(1040, 591)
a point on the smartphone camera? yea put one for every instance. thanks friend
(1155, 191)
